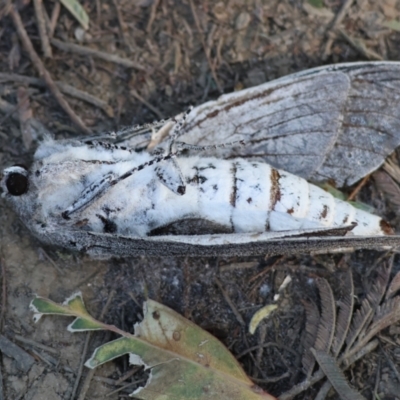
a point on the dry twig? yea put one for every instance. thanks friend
(37, 62)
(89, 376)
(230, 302)
(356, 190)
(3, 294)
(206, 52)
(64, 87)
(155, 110)
(86, 51)
(122, 27)
(41, 23)
(152, 17)
(360, 47)
(54, 18)
(333, 26)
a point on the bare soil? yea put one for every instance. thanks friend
(172, 54)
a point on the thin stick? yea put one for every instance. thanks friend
(230, 302)
(354, 193)
(86, 51)
(152, 15)
(33, 343)
(41, 23)
(54, 18)
(334, 25)
(51, 261)
(90, 374)
(81, 364)
(37, 62)
(155, 110)
(196, 20)
(122, 27)
(64, 87)
(360, 47)
(3, 294)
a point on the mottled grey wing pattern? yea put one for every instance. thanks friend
(335, 122)
(290, 123)
(371, 124)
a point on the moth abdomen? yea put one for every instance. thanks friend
(255, 197)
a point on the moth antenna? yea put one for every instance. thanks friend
(138, 129)
(177, 129)
(99, 188)
(108, 146)
(155, 160)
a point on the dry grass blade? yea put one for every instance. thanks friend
(311, 329)
(378, 289)
(392, 169)
(345, 313)
(335, 376)
(327, 323)
(393, 287)
(387, 314)
(388, 187)
(360, 318)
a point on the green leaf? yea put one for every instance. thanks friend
(75, 8)
(392, 24)
(362, 206)
(73, 306)
(186, 362)
(44, 306)
(339, 195)
(84, 324)
(333, 191)
(114, 349)
(316, 3)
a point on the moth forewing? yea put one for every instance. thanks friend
(334, 122)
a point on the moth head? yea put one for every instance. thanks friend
(15, 180)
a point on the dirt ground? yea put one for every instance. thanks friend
(171, 54)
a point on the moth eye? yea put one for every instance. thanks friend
(17, 184)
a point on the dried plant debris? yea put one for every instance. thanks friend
(354, 329)
(344, 314)
(260, 315)
(184, 360)
(391, 190)
(326, 326)
(335, 375)
(311, 329)
(76, 9)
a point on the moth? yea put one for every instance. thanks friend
(186, 187)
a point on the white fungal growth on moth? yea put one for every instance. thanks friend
(99, 187)
(335, 122)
